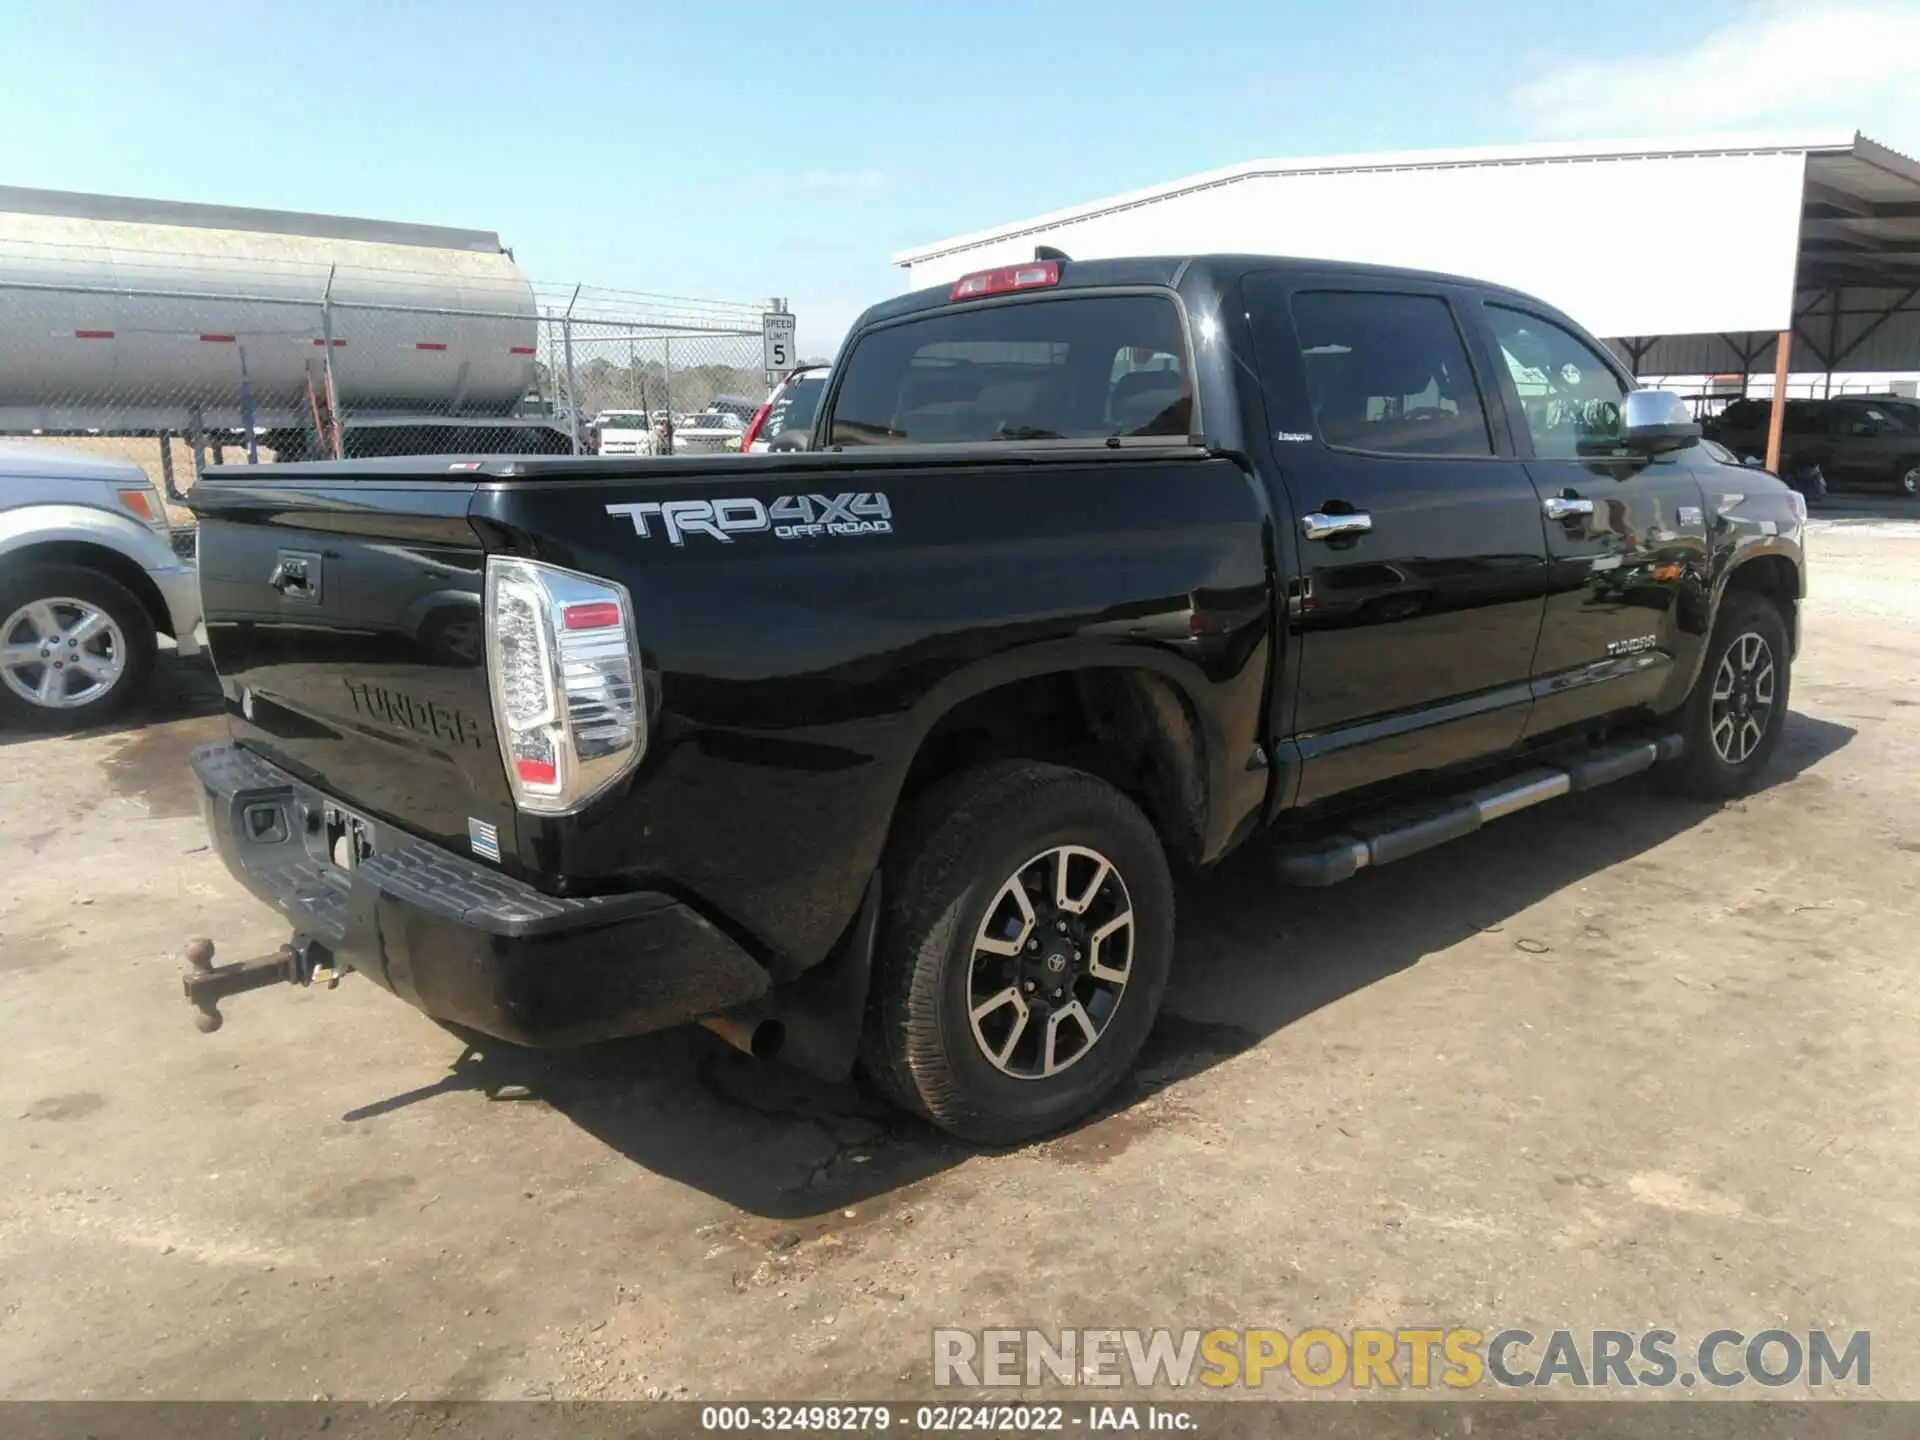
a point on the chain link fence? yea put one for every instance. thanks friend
(651, 374)
(179, 359)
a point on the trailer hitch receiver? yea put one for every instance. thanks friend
(301, 961)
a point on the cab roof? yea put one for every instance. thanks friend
(1172, 271)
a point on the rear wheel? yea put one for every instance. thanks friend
(1738, 706)
(1024, 951)
(1906, 477)
(76, 647)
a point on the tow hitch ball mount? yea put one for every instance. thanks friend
(301, 961)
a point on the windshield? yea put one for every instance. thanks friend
(1062, 368)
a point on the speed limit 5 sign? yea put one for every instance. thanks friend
(776, 340)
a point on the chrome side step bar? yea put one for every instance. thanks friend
(1382, 840)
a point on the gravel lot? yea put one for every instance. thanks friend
(1618, 1061)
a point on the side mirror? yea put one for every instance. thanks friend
(1657, 421)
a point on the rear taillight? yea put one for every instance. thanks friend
(564, 668)
(1034, 275)
(754, 426)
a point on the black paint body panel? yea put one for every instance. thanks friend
(792, 680)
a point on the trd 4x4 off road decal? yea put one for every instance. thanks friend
(791, 517)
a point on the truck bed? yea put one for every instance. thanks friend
(792, 670)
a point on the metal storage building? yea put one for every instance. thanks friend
(1694, 256)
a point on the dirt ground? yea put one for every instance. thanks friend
(1619, 1061)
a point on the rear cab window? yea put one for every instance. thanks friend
(1064, 367)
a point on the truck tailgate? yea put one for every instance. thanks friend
(344, 618)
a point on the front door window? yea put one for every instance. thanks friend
(1572, 400)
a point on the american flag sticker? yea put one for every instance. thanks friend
(484, 838)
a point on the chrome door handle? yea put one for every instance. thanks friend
(289, 577)
(1566, 507)
(1331, 527)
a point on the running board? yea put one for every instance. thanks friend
(1395, 836)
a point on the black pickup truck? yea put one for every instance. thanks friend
(887, 752)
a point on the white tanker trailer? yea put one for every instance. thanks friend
(141, 317)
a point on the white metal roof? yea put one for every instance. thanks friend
(1684, 236)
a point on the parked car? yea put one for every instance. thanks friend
(1860, 442)
(788, 411)
(709, 432)
(626, 432)
(89, 577)
(891, 750)
(1803, 477)
(739, 405)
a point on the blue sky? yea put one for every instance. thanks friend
(738, 151)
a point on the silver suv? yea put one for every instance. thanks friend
(88, 580)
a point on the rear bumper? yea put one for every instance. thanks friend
(463, 942)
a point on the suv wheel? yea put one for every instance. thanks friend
(1024, 950)
(76, 647)
(1738, 706)
(1906, 477)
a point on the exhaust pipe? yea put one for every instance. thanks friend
(762, 1037)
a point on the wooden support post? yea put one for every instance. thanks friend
(1776, 422)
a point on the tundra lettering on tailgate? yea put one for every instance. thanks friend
(791, 517)
(422, 717)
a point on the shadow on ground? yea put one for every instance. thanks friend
(1253, 957)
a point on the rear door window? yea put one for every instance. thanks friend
(1806, 418)
(1389, 374)
(1063, 368)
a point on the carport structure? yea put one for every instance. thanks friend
(1690, 256)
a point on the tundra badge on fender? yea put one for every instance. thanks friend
(790, 517)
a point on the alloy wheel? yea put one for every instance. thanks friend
(1050, 962)
(60, 653)
(1743, 696)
